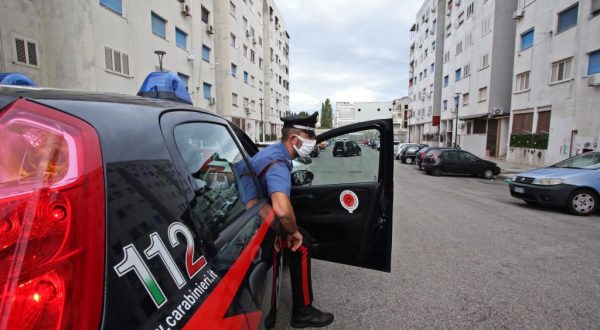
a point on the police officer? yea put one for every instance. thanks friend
(273, 166)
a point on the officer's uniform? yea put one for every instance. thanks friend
(273, 166)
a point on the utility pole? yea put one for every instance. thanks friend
(456, 97)
(262, 123)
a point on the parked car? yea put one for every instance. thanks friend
(408, 154)
(375, 144)
(423, 153)
(346, 148)
(573, 184)
(403, 146)
(454, 161)
(127, 212)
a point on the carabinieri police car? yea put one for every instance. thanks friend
(124, 212)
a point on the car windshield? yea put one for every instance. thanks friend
(588, 161)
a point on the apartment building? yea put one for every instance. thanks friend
(347, 113)
(424, 85)
(556, 80)
(216, 47)
(471, 85)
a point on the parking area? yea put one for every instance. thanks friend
(467, 255)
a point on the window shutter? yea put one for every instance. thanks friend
(567, 73)
(20, 48)
(125, 63)
(32, 53)
(117, 58)
(108, 58)
(554, 72)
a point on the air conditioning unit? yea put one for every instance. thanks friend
(518, 13)
(496, 111)
(210, 29)
(185, 9)
(594, 80)
(212, 101)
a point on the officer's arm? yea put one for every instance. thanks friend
(284, 211)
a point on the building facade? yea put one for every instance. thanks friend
(347, 113)
(461, 87)
(230, 54)
(556, 80)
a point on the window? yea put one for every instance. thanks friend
(595, 7)
(245, 51)
(485, 61)
(205, 53)
(116, 61)
(245, 22)
(433, 45)
(180, 38)
(561, 70)
(594, 62)
(232, 40)
(205, 15)
(346, 145)
(158, 26)
(233, 70)
(26, 51)
(470, 9)
(543, 123)
(465, 98)
(252, 56)
(234, 99)
(468, 40)
(457, 75)
(486, 26)
(465, 156)
(483, 94)
(479, 126)
(445, 103)
(432, 68)
(522, 123)
(448, 30)
(245, 77)
(184, 79)
(425, 73)
(114, 5)
(522, 82)
(215, 166)
(467, 70)
(459, 47)
(567, 18)
(260, 62)
(446, 81)
(207, 88)
(232, 9)
(527, 40)
(447, 57)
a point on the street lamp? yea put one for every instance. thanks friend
(262, 123)
(160, 54)
(456, 97)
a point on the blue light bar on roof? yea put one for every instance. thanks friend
(16, 79)
(165, 86)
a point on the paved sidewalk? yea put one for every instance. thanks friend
(509, 169)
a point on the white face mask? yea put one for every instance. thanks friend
(306, 148)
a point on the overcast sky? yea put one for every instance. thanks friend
(347, 50)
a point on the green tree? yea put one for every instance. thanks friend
(326, 114)
(303, 113)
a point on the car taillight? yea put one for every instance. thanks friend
(52, 215)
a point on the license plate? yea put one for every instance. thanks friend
(519, 190)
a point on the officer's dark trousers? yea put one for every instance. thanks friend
(300, 273)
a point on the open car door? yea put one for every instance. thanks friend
(347, 208)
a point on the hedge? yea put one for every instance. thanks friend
(533, 141)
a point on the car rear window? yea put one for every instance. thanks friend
(339, 144)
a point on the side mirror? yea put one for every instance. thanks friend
(302, 177)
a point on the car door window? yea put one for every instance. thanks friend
(449, 155)
(357, 163)
(465, 156)
(212, 158)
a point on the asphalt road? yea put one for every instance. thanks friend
(466, 255)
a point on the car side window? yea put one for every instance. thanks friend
(348, 158)
(466, 156)
(449, 155)
(212, 158)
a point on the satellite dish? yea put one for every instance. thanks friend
(191, 56)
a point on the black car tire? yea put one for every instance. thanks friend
(488, 173)
(582, 202)
(436, 171)
(359, 152)
(403, 161)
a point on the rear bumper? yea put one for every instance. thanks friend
(546, 195)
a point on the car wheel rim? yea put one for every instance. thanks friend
(488, 174)
(583, 203)
(408, 160)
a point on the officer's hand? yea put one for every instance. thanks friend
(295, 240)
